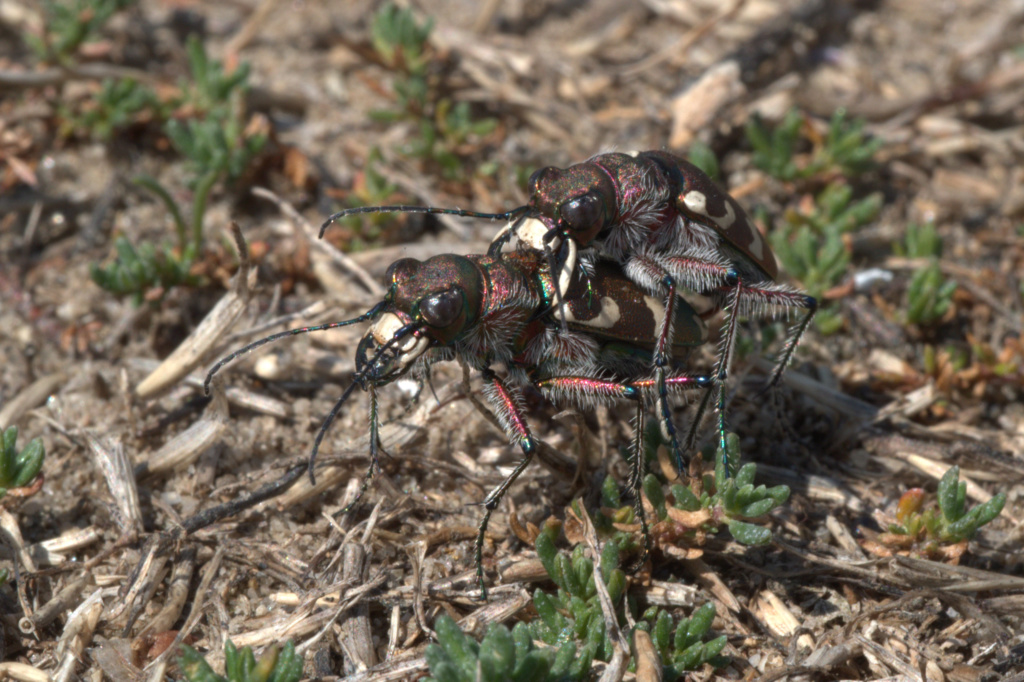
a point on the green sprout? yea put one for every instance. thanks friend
(811, 246)
(400, 40)
(71, 23)
(443, 126)
(276, 665)
(501, 655)
(847, 147)
(681, 645)
(217, 148)
(921, 241)
(19, 467)
(569, 633)
(728, 496)
(845, 150)
(573, 615)
(929, 294)
(926, 528)
(118, 104)
(775, 150)
(209, 89)
(145, 269)
(371, 188)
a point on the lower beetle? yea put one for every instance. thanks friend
(498, 314)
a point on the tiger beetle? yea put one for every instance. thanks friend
(500, 311)
(675, 234)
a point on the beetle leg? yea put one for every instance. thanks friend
(636, 480)
(745, 299)
(725, 353)
(661, 360)
(509, 413)
(588, 391)
(792, 340)
(375, 448)
(758, 299)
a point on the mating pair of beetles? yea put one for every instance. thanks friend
(620, 262)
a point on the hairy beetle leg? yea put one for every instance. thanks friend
(509, 413)
(375, 449)
(588, 390)
(793, 340)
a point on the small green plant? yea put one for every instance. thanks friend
(846, 147)
(145, 269)
(775, 150)
(370, 188)
(811, 245)
(929, 294)
(571, 624)
(926, 529)
(210, 89)
(400, 40)
(213, 138)
(71, 23)
(921, 241)
(845, 150)
(118, 104)
(681, 645)
(728, 497)
(217, 147)
(276, 665)
(574, 614)
(443, 126)
(502, 655)
(19, 467)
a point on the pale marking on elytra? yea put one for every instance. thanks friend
(657, 309)
(726, 221)
(696, 202)
(756, 242)
(606, 319)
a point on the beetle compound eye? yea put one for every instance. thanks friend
(584, 213)
(441, 310)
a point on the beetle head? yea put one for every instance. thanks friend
(430, 303)
(579, 200)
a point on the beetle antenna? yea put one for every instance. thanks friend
(372, 312)
(323, 428)
(357, 380)
(433, 210)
